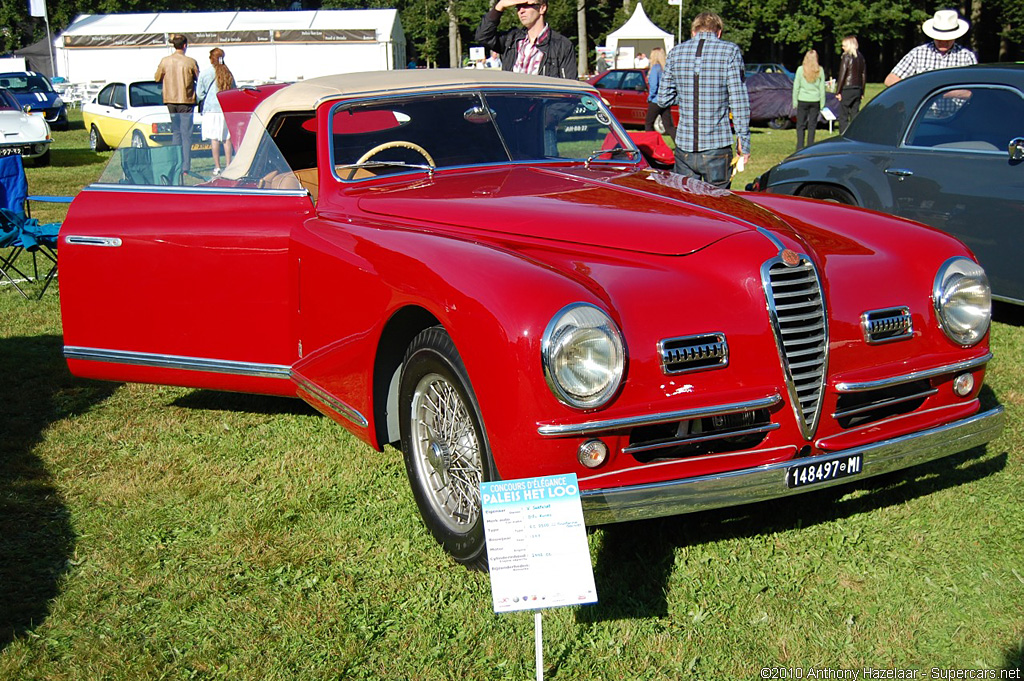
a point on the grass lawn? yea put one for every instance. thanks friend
(151, 532)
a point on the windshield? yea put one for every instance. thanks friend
(25, 84)
(371, 138)
(8, 102)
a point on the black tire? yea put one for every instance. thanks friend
(444, 445)
(828, 192)
(780, 123)
(44, 160)
(96, 142)
(139, 140)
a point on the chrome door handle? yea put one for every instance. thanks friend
(899, 172)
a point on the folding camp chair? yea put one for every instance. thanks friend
(151, 165)
(20, 233)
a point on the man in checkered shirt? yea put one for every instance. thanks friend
(704, 75)
(941, 53)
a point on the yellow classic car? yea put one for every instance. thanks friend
(132, 114)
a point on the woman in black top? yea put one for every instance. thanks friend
(850, 84)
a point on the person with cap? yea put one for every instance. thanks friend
(942, 53)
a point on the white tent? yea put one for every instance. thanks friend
(260, 46)
(638, 35)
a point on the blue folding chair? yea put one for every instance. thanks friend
(20, 233)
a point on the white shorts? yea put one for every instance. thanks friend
(215, 127)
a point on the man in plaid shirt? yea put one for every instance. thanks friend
(704, 75)
(941, 53)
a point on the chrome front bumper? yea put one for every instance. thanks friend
(636, 502)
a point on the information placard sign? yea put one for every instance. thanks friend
(537, 543)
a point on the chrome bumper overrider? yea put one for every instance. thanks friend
(603, 506)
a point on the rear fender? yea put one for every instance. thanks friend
(858, 176)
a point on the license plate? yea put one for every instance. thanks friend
(10, 151)
(813, 473)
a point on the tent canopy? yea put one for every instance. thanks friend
(640, 34)
(262, 46)
(38, 57)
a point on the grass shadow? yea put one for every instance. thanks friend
(37, 538)
(213, 400)
(636, 559)
(1015, 659)
(74, 158)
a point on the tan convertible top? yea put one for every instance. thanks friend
(305, 95)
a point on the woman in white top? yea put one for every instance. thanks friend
(215, 128)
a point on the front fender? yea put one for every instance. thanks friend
(861, 175)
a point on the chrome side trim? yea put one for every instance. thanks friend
(676, 442)
(589, 427)
(330, 401)
(74, 240)
(204, 191)
(220, 366)
(637, 502)
(845, 387)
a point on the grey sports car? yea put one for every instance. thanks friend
(945, 148)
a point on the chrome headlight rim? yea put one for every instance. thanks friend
(962, 325)
(554, 342)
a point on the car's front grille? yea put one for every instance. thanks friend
(692, 353)
(890, 324)
(869, 406)
(801, 329)
(717, 434)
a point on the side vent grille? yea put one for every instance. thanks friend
(801, 329)
(890, 324)
(692, 353)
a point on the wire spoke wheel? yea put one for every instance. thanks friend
(447, 452)
(445, 445)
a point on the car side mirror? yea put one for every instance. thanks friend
(1016, 149)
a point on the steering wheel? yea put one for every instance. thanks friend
(397, 144)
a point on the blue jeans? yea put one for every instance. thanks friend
(181, 132)
(712, 165)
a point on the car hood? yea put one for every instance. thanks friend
(16, 126)
(644, 211)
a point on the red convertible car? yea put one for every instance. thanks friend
(480, 269)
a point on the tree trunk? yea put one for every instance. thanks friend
(581, 29)
(454, 50)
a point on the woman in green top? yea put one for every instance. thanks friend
(808, 97)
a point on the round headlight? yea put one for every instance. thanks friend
(963, 300)
(58, 103)
(583, 356)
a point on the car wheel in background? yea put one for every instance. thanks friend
(138, 140)
(445, 447)
(96, 142)
(828, 192)
(780, 123)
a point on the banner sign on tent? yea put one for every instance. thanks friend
(123, 40)
(228, 37)
(314, 35)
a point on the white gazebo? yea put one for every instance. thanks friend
(638, 35)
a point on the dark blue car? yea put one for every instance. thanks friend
(945, 148)
(33, 90)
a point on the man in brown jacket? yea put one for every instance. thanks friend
(178, 74)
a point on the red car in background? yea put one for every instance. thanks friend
(477, 268)
(625, 90)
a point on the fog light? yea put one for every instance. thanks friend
(963, 385)
(593, 453)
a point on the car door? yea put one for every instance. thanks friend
(186, 285)
(626, 94)
(953, 172)
(108, 110)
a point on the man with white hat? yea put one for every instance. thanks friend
(942, 53)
